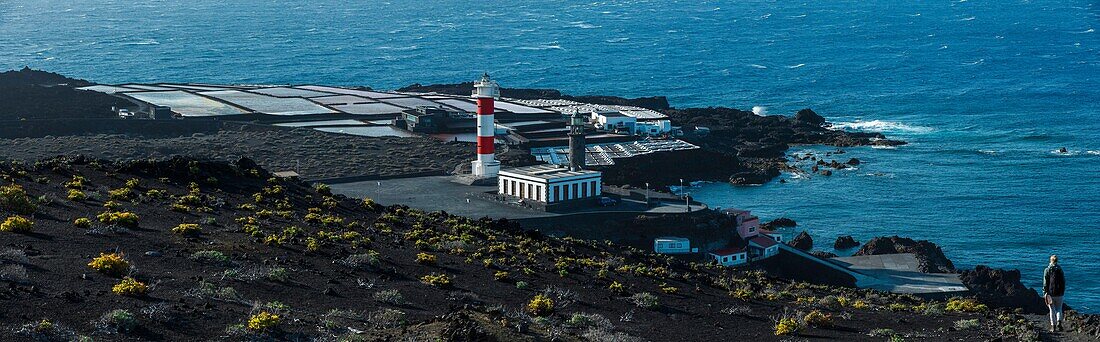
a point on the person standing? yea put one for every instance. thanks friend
(1054, 289)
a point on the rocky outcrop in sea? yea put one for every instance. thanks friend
(930, 257)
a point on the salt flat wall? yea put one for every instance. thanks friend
(149, 128)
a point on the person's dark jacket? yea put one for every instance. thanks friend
(1054, 281)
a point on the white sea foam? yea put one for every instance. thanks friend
(541, 47)
(143, 42)
(1059, 152)
(617, 40)
(583, 25)
(796, 66)
(967, 19)
(1093, 152)
(1091, 30)
(884, 147)
(989, 152)
(881, 126)
(760, 110)
(758, 66)
(977, 62)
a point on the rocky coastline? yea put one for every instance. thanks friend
(740, 147)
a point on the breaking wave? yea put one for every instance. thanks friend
(881, 126)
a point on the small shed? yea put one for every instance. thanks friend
(763, 247)
(671, 245)
(730, 256)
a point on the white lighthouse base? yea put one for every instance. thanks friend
(485, 169)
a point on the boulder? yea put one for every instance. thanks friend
(930, 256)
(781, 222)
(999, 288)
(853, 161)
(810, 117)
(826, 172)
(803, 241)
(845, 242)
(824, 254)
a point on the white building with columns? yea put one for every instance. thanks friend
(549, 184)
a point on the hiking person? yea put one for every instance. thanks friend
(1054, 288)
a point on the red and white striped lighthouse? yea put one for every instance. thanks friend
(485, 91)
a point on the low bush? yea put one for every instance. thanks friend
(125, 219)
(17, 224)
(965, 305)
(818, 319)
(390, 296)
(617, 287)
(82, 222)
(130, 287)
(117, 321)
(644, 300)
(112, 264)
(437, 280)
(787, 326)
(967, 324)
(426, 259)
(500, 276)
(540, 306)
(76, 195)
(14, 198)
(263, 322)
(210, 257)
(187, 229)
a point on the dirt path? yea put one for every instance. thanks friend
(1043, 322)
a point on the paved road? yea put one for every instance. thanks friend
(440, 193)
(898, 273)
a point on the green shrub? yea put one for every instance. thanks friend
(644, 300)
(14, 198)
(967, 324)
(17, 224)
(426, 259)
(76, 195)
(187, 229)
(540, 306)
(210, 257)
(263, 322)
(112, 264)
(437, 280)
(965, 305)
(130, 287)
(125, 219)
(82, 222)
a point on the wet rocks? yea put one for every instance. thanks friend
(1002, 289)
(810, 117)
(803, 241)
(824, 254)
(853, 161)
(929, 255)
(845, 242)
(781, 222)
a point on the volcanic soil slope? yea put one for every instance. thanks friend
(188, 250)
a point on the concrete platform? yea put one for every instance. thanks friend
(443, 193)
(899, 273)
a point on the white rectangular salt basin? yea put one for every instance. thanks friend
(368, 131)
(364, 93)
(186, 104)
(289, 92)
(341, 99)
(269, 104)
(369, 109)
(322, 123)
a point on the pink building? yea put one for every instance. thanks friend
(747, 224)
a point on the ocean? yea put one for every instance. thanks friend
(986, 92)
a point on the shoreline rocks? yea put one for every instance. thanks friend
(1002, 289)
(929, 255)
(802, 241)
(781, 222)
(845, 242)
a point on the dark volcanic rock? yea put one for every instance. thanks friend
(845, 242)
(930, 256)
(781, 222)
(803, 241)
(853, 161)
(1002, 289)
(824, 254)
(809, 116)
(657, 168)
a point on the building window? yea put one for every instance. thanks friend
(538, 193)
(504, 187)
(575, 192)
(593, 188)
(522, 190)
(557, 193)
(584, 191)
(513, 193)
(530, 190)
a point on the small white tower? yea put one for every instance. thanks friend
(485, 91)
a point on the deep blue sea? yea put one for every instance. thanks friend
(985, 91)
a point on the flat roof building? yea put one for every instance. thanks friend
(549, 184)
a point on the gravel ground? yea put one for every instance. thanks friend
(316, 154)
